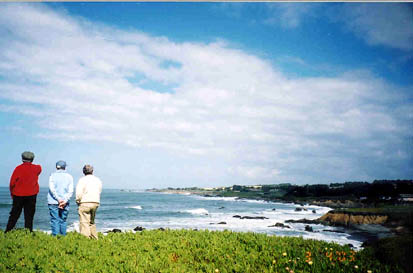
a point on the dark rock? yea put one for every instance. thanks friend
(281, 225)
(138, 228)
(336, 231)
(273, 209)
(220, 223)
(222, 208)
(349, 245)
(304, 209)
(308, 228)
(254, 217)
(298, 209)
(115, 230)
(314, 211)
(250, 217)
(303, 221)
(161, 229)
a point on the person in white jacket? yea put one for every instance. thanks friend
(88, 192)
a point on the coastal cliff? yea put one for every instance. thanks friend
(336, 203)
(345, 218)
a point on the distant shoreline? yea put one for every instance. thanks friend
(318, 202)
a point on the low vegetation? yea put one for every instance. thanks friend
(180, 251)
(395, 250)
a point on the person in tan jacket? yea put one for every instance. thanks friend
(88, 192)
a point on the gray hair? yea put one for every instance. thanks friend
(27, 156)
(88, 169)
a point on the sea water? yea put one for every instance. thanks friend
(127, 209)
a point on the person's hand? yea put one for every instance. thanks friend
(62, 204)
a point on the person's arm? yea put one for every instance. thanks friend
(70, 190)
(79, 191)
(14, 178)
(100, 187)
(52, 188)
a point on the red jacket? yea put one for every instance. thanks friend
(24, 180)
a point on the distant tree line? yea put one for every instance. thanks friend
(377, 190)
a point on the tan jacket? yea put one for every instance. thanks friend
(88, 189)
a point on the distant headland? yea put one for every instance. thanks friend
(334, 195)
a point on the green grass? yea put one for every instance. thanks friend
(179, 251)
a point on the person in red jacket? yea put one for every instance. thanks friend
(24, 187)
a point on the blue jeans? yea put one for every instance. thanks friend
(58, 219)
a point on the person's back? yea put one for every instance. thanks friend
(62, 186)
(24, 180)
(58, 198)
(88, 189)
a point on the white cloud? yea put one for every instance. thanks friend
(290, 15)
(255, 172)
(388, 24)
(222, 102)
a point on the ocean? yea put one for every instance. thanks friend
(127, 209)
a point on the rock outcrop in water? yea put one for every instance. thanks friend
(115, 230)
(139, 228)
(304, 221)
(281, 225)
(250, 217)
(345, 218)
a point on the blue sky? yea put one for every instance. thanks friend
(208, 94)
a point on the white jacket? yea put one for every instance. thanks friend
(88, 189)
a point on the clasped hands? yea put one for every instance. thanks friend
(62, 204)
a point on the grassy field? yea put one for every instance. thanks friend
(179, 251)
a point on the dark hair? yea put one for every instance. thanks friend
(88, 169)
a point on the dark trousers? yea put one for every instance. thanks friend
(29, 205)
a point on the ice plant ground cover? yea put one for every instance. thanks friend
(179, 251)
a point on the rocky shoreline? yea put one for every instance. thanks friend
(366, 227)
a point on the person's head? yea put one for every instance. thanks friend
(61, 165)
(88, 169)
(27, 156)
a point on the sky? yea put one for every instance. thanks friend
(157, 95)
